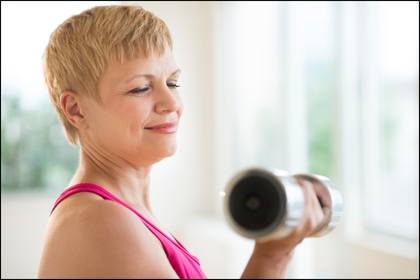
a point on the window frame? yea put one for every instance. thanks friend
(358, 135)
(357, 87)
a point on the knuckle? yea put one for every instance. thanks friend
(311, 229)
(318, 221)
(311, 225)
(305, 184)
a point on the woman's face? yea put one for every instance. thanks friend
(136, 96)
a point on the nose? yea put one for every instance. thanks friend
(166, 101)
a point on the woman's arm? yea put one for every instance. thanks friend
(261, 266)
(270, 259)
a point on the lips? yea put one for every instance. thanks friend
(165, 128)
(165, 125)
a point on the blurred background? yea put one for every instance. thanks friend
(330, 88)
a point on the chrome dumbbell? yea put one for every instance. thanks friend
(265, 204)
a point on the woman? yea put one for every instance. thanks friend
(112, 79)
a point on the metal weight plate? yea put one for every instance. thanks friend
(263, 204)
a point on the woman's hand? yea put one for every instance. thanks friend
(270, 258)
(312, 219)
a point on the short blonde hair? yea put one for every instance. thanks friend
(84, 46)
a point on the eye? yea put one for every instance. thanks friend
(173, 85)
(139, 90)
(145, 89)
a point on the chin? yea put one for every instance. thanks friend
(171, 151)
(154, 152)
(167, 150)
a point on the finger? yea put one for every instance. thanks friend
(313, 217)
(327, 211)
(322, 194)
(322, 223)
(316, 215)
(301, 228)
(306, 186)
(315, 205)
(312, 204)
(323, 215)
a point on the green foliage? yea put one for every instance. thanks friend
(320, 113)
(34, 152)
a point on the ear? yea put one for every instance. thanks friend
(71, 105)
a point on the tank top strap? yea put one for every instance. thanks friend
(85, 187)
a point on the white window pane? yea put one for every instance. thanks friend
(395, 201)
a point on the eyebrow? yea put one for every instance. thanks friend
(148, 76)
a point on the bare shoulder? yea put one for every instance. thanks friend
(89, 237)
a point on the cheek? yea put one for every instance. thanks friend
(135, 116)
(127, 118)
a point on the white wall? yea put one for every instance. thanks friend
(24, 218)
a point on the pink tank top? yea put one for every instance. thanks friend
(185, 265)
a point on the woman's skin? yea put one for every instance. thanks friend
(90, 237)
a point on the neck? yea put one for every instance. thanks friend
(130, 184)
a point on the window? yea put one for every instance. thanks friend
(332, 88)
(398, 121)
(34, 152)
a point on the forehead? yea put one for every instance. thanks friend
(154, 65)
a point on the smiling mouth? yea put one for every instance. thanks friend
(167, 128)
(171, 125)
(163, 126)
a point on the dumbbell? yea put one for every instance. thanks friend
(265, 204)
